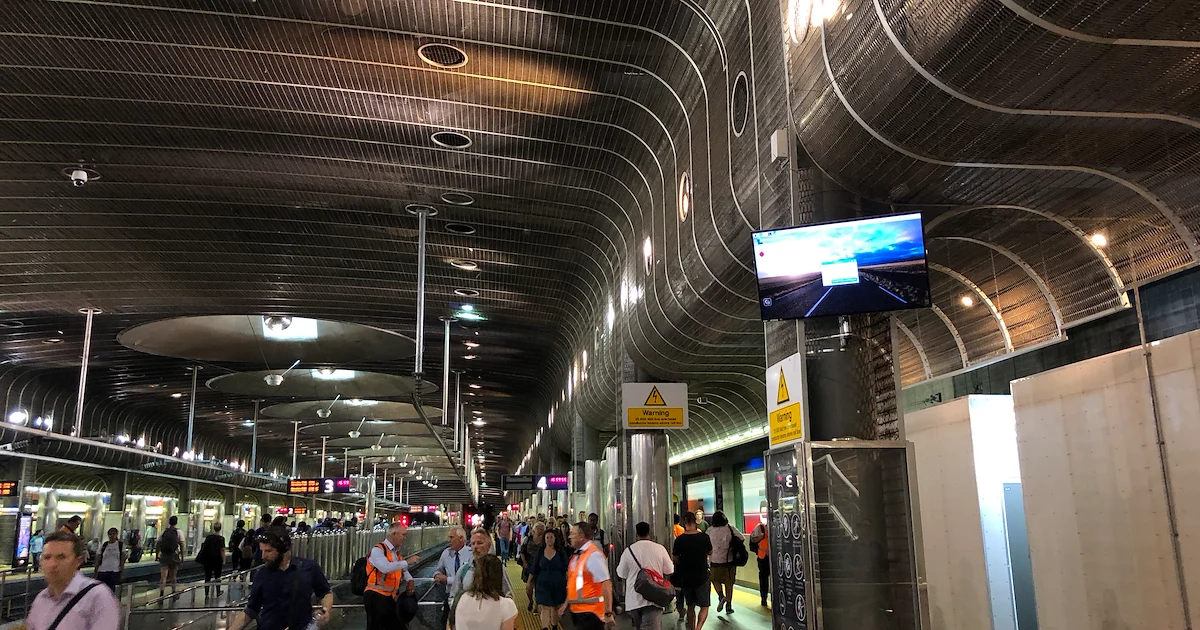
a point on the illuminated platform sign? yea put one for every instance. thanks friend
(535, 482)
(322, 485)
(8, 488)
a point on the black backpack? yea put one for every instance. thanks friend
(358, 577)
(737, 550)
(168, 543)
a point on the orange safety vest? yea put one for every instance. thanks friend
(584, 593)
(380, 582)
(763, 550)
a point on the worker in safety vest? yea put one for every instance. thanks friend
(387, 573)
(589, 587)
(761, 546)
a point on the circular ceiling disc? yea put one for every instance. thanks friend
(371, 429)
(320, 383)
(248, 339)
(346, 410)
(417, 454)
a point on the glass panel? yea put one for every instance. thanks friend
(702, 495)
(864, 546)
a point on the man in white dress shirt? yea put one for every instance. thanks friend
(644, 614)
(457, 555)
(81, 602)
(387, 573)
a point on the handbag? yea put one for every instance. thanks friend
(737, 550)
(651, 584)
(406, 606)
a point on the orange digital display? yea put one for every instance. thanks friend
(8, 488)
(322, 485)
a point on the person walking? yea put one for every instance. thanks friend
(212, 558)
(70, 600)
(701, 524)
(643, 554)
(593, 521)
(504, 533)
(759, 544)
(72, 525)
(263, 524)
(589, 587)
(454, 557)
(676, 528)
(35, 549)
(481, 545)
(724, 571)
(690, 553)
(235, 546)
(532, 545)
(387, 574)
(283, 589)
(547, 582)
(110, 565)
(170, 555)
(483, 605)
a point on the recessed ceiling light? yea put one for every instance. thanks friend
(450, 140)
(477, 412)
(1099, 239)
(470, 356)
(471, 344)
(475, 386)
(442, 55)
(479, 423)
(458, 198)
(967, 301)
(177, 395)
(53, 340)
(459, 228)
(466, 292)
(466, 265)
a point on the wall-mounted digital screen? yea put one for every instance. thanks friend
(860, 266)
(323, 485)
(8, 488)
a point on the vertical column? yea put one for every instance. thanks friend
(95, 518)
(25, 472)
(650, 486)
(89, 313)
(594, 484)
(48, 511)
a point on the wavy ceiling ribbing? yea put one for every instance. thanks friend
(257, 157)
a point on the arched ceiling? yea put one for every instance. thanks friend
(257, 158)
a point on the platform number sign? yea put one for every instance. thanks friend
(788, 541)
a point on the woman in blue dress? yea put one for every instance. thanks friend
(548, 579)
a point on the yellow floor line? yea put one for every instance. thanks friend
(525, 620)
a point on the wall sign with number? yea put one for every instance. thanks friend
(322, 485)
(788, 535)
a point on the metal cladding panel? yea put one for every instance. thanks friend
(1096, 508)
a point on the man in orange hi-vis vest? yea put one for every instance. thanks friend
(589, 587)
(758, 540)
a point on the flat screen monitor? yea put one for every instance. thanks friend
(860, 266)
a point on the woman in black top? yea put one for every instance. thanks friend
(548, 579)
(212, 557)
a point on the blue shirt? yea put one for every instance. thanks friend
(283, 599)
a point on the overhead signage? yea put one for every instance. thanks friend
(655, 405)
(785, 387)
(300, 510)
(8, 488)
(321, 485)
(535, 482)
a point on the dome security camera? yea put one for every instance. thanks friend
(79, 177)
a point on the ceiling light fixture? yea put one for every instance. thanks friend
(378, 445)
(177, 395)
(455, 198)
(275, 380)
(1099, 239)
(475, 386)
(53, 340)
(442, 55)
(479, 423)
(460, 228)
(450, 139)
(470, 357)
(470, 344)
(685, 196)
(466, 292)
(357, 433)
(277, 323)
(465, 265)
(327, 411)
(967, 301)
(326, 371)
(20, 416)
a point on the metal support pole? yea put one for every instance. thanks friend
(362, 461)
(422, 213)
(446, 371)
(254, 439)
(345, 462)
(83, 369)
(192, 408)
(459, 447)
(295, 443)
(324, 439)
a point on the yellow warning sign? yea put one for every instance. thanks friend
(655, 399)
(786, 424)
(656, 418)
(782, 395)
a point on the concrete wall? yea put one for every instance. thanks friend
(1093, 487)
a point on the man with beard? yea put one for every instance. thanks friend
(282, 592)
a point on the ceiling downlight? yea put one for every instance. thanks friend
(685, 196)
(441, 55)
(466, 292)
(450, 139)
(466, 265)
(459, 228)
(458, 198)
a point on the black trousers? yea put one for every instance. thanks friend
(586, 621)
(381, 612)
(764, 577)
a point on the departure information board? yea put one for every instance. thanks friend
(788, 539)
(322, 485)
(8, 488)
(535, 482)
